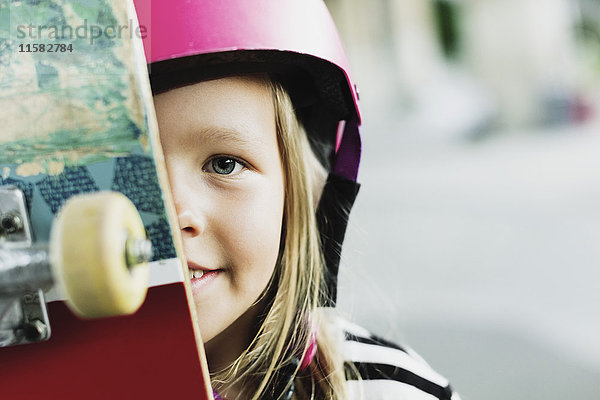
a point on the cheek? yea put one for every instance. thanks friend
(258, 224)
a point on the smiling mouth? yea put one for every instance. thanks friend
(201, 277)
(195, 273)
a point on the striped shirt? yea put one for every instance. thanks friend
(388, 371)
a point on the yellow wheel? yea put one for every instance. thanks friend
(89, 245)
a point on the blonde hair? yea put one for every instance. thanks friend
(296, 288)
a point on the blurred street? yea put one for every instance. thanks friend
(483, 257)
(475, 238)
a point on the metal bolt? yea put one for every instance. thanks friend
(138, 251)
(35, 330)
(11, 223)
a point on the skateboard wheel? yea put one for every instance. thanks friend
(88, 250)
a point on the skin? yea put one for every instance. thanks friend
(230, 222)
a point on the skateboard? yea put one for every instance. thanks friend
(94, 299)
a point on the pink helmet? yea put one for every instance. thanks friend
(187, 41)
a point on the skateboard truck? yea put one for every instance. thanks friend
(26, 272)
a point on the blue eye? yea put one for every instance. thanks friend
(223, 165)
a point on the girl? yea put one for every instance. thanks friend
(259, 126)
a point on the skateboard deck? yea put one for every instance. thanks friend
(76, 117)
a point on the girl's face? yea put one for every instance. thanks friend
(223, 162)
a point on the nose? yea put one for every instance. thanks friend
(192, 220)
(190, 224)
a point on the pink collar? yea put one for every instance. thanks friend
(311, 351)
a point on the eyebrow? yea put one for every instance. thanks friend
(229, 135)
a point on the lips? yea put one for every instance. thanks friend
(201, 278)
(196, 271)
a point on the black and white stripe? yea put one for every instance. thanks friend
(388, 371)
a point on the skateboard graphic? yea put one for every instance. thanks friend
(93, 285)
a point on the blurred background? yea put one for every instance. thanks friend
(475, 236)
